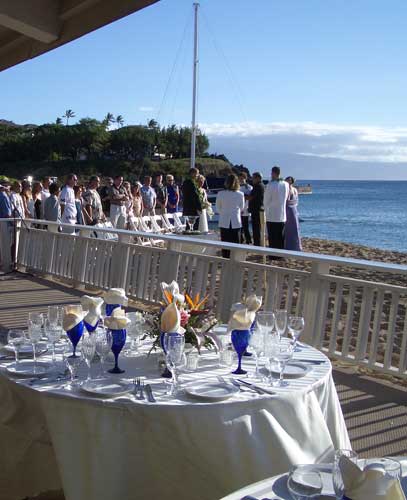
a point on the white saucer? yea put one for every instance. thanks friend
(294, 369)
(211, 391)
(27, 368)
(107, 387)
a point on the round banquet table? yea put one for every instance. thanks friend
(275, 488)
(104, 449)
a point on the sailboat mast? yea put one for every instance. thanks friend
(194, 89)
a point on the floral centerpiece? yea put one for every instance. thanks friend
(195, 318)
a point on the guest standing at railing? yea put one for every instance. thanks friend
(104, 195)
(78, 190)
(5, 203)
(246, 189)
(275, 201)
(292, 239)
(256, 209)
(230, 205)
(67, 202)
(52, 208)
(191, 199)
(173, 195)
(26, 196)
(129, 202)
(17, 205)
(46, 182)
(162, 195)
(92, 203)
(36, 194)
(137, 200)
(149, 197)
(118, 197)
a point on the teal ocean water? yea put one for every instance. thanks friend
(361, 212)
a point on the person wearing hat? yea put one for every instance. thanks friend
(256, 209)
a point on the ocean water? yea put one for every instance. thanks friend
(363, 212)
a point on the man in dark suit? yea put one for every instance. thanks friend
(191, 201)
(256, 209)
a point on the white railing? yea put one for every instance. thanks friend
(353, 319)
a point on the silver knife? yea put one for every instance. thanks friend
(149, 392)
(260, 390)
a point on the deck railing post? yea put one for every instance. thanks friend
(5, 246)
(169, 262)
(311, 301)
(231, 287)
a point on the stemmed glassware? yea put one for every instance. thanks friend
(283, 356)
(54, 332)
(75, 333)
(103, 346)
(134, 331)
(190, 222)
(272, 350)
(34, 333)
(72, 364)
(16, 339)
(304, 482)
(54, 315)
(339, 487)
(256, 342)
(174, 357)
(118, 341)
(295, 327)
(281, 316)
(88, 348)
(266, 321)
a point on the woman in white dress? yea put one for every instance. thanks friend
(203, 217)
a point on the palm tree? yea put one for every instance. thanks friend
(109, 118)
(58, 121)
(152, 123)
(119, 120)
(68, 114)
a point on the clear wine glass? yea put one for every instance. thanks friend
(16, 338)
(103, 346)
(304, 481)
(54, 315)
(34, 334)
(296, 326)
(36, 319)
(272, 350)
(256, 343)
(175, 359)
(265, 321)
(53, 332)
(281, 316)
(337, 481)
(134, 331)
(88, 349)
(284, 355)
(73, 366)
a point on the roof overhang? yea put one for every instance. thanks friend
(29, 28)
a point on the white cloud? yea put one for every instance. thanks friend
(146, 109)
(349, 142)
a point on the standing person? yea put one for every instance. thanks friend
(162, 195)
(67, 202)
(118, 197)
(203, 218)
(173, 195)
(78, 190)
(137, 200)
(275, 201)
(26, 196)
(149, 197)
(16, 200)
(129, 202)
(52, 208)
(104, 195)
(5, 203)
(92, 203)
(256, 209)
(230, 205)
(246, 189)
(191, 199)
(46, 181)
(36, 194)
(292, 239)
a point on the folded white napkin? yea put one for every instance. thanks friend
(171, 319)
(94, 307)
(73, 315)
(253, 302)
(372, 483)
(116, 296)
(241, 318)
(118, 320)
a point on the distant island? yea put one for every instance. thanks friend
(104, 147)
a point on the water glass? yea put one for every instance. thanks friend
(281, 316)
(73, 364)
(134, 331)
(88, 348)
(304, 481)
(174, 347)
(256, 343)
(283, 356)
(272, 350)
(36, 319)
(16, 338)
(296, 327)
(339, 487)
(192, 360)
(226, 357)
(265, 321)
(53, 332)
(54, 315)
(103, 346)
(34, 334)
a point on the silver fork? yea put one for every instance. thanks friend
(136, 383)
(141, 388)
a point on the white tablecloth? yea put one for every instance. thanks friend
(173, 449)
(276, 487)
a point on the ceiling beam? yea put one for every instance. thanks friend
(36, 19)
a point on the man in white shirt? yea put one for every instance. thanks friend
(67, 201)
(246, 189)
(275, 199)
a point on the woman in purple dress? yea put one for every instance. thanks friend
(292, 225)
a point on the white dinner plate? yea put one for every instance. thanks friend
(325, 471)
(27, 368)
(107, 387)
(211, 391)
(26, 348)
(294, 369)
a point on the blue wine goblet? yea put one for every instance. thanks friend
(110, 308)
(91, 328)
(74, 335)
(119, 339)
(240, 341)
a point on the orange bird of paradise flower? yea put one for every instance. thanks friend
(196, 304)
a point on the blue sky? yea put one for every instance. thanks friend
(301, 68)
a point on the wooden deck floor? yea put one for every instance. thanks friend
(375, 410)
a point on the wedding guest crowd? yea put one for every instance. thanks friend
(246, 210)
